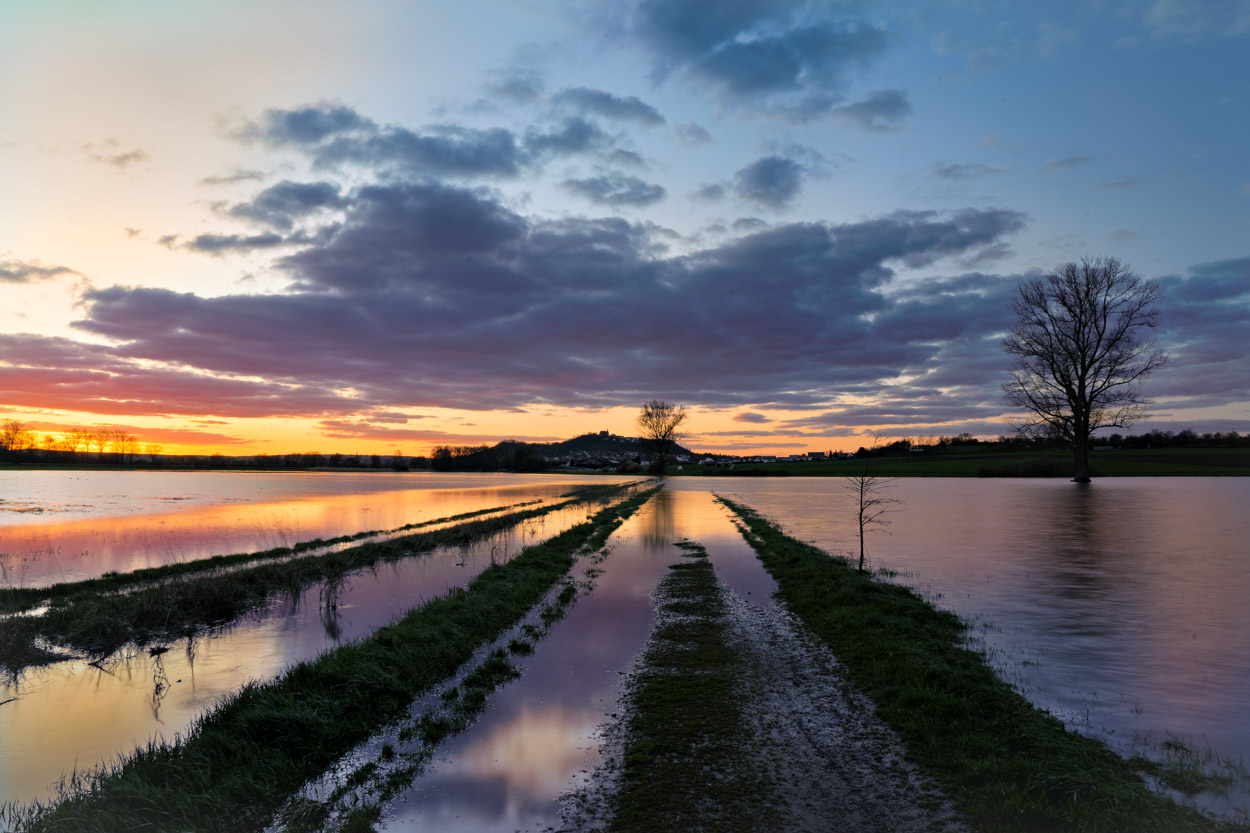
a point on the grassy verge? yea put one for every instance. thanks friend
(101, 622)
(684, 766)
(1006, 765)
(246, 758)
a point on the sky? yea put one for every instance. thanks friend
(375, 225)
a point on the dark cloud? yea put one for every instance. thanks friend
(335, 137)
(620, 156)
(443, 150)
(575, 135)
(280, 205)
(747, 416)
(520, 84)
(306, 125)
(882, 112)
(609, 106)
(771, 182)
(42, 372)
(429, 295)
(690, 133)
(1205, 324)
(616, 190)
(18, 271)
(220, 244)
(790, 59)
(711, 192)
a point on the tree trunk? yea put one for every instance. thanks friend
(1080, 453)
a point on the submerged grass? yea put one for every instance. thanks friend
(19, 599)
(1007, 765)
(99, 623)
(247, 757)
(683, 765)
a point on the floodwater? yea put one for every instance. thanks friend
(540, 736)
(68, 526)
(1118, 606)
(77, 715)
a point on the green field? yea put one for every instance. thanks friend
(979, 461)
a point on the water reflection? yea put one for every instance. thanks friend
(540, 736)
(77, 714)
(278, 510)
(1119, 606)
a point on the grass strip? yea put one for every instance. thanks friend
(1007, 765)
(683, 766)
(247, 757)
(101, 623)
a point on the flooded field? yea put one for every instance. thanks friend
(68, 526)
(77, 713)
(1119, 607)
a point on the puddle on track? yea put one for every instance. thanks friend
(73, 714)
(540, 736)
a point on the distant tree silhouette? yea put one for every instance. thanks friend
(659, 424)
(14, 438)
(1079, 352)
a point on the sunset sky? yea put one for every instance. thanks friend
(286, 226)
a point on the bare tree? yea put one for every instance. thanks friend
(872, 500)
(74, 439)
(14, 437)
(1079, 352)
(660, 423)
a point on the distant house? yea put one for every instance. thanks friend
(766, 458)
(815, 455)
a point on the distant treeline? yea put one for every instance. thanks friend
(511, 455)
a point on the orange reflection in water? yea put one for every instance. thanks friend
(74, 715)
(35, 555)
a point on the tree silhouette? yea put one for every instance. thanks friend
(659, 423)
(1079, 352)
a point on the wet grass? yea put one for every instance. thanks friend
(1006, 765)
(684, 767)
(92, 619)
(249, 756)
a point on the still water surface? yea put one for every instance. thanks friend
(68, 526)
(1121, 606)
